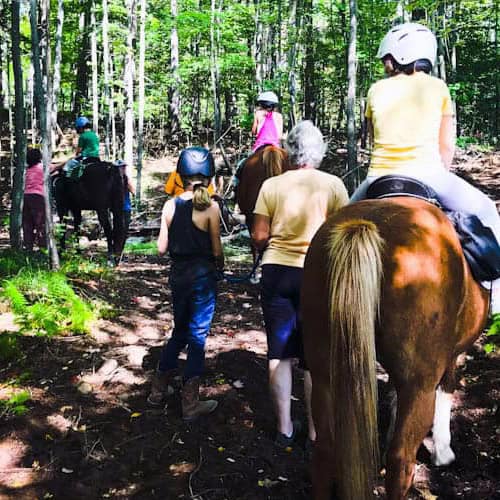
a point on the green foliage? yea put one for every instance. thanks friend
(8, 346)
(15, 405)
(44, 303)
(493, 335)
(142, 248)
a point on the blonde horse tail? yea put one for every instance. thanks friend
(354, 280)
(272, 158)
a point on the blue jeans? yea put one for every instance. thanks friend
(194, 289)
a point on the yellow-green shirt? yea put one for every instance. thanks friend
(406, 112)
(297, 203)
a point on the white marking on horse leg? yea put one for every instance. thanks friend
(443, 454)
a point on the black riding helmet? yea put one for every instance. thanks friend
(196, 160)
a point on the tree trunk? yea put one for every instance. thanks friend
(93, 57)
(82, 78)
(105, 67)
(214, 71)
(309, 98)
(353, 179)
(294, 19)
(19, 159)
(129, 85)
(43, 117)
(175, 100)
(140, 126)
(57, 67)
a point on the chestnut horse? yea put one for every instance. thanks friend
(387, 280)
(266, 162)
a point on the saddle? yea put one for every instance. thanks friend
(479, 244)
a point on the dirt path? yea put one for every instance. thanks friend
(89, 433)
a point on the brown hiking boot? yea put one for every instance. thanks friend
(192, 407)
(161, 387)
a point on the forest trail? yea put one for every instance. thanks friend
(90, 434)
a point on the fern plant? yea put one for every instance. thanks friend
(44, 303)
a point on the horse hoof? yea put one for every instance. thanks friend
(444, 456)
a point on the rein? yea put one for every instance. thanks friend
(244, 277)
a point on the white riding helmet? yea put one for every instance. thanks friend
(408, 43)
(268, 97)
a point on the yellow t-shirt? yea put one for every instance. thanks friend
(406, 112)
(297, 203)
(175, 187)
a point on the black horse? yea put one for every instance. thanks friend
(101, 187)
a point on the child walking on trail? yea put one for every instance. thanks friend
(34, 202)
(190, 231)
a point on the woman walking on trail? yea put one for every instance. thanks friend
(289, 210)
(267, 123)
(190, 230)
(34, 202)
(410, 116)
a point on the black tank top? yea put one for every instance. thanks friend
(186, 241)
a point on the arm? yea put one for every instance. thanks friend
(255, 125)
(166, 218)
(214, 232)
(279, 125)
(447, 140)
(261, 231)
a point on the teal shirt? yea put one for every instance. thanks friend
(89, 144)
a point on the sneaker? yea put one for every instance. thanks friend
(283, 441)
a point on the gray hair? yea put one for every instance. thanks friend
(305, 145)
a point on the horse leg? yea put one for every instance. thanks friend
(443, 454)
(323, 463)
(103, 216)
(414, 419)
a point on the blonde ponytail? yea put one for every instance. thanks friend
(201, 198)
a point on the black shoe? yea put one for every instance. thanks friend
(283, 441)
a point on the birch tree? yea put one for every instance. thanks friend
(41, 95)
(351, 99)
(128, 78)
(214, 71)
(175, 102)
(140, 124)
(56, 83)
(93, 58)
(19, 159)
(105, 66)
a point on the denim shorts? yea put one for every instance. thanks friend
(280, 297)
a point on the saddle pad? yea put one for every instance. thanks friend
(479, 244)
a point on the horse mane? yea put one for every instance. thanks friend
(272, 159)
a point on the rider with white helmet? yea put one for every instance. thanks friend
(411, 118)
(267, 123)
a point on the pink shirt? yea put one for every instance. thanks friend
(268, 134)
(34, 180)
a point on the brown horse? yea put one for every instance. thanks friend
(386, 280)
(266, 162)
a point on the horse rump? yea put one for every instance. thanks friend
(388, 274)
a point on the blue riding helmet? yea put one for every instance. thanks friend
(196, 160)
(81, 122)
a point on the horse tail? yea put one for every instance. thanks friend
(272, 159)
(354, 283)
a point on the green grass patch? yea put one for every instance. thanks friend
(493, 335)
(15, 405)
(142, 248)
(8, 346)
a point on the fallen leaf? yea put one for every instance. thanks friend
(67, 471)
(289, 449)
(135, 414)
(232, 460)
(238, 384)
(220, 449)
(284, 479)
